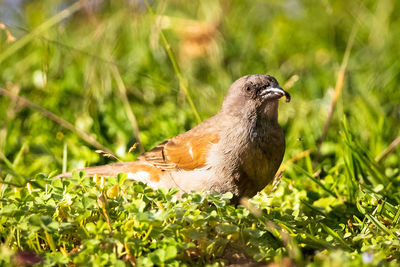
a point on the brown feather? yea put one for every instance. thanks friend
(186, 151)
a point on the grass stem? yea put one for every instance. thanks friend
(128, 110)
(17, 45)
(25, 102)
(338, 90)
(182, 83)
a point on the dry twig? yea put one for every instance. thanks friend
(388, 150)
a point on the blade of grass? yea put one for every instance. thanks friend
(360, 156)
(363, 158)
(310, 206)
(25, 102)
(65, 156)
(349, 163)
(379, 225)
(175, 65)
(20, 180)
(10, 116)
(128, 110)
(312, 241)
(396, 218)
(336, 236)
(338, 90)
(316, 181)
(350, 181)
(289, 242)
(17, 45)
(98, 58)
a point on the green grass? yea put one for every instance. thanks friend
(105, 77)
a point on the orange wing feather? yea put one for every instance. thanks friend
(181, 152)
(186, 151)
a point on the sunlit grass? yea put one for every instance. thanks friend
(100, 76)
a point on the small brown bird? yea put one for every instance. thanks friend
(238, 150)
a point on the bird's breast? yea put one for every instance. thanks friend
(252, 157)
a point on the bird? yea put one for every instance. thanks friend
(239, 150)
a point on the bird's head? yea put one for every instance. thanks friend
(256, 93)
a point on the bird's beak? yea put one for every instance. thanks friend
(274, 93)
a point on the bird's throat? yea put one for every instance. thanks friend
(269, 111)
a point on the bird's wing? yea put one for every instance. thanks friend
(186, 151)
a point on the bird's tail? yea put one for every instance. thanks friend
(108, 170)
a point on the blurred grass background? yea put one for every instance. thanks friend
(120, 71)
(72, 69)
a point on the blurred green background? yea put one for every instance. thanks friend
(104, 74)
(78, 67)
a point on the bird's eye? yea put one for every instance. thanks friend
(247, 89)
